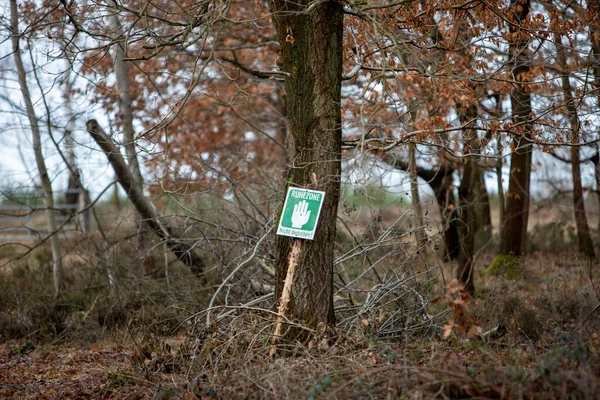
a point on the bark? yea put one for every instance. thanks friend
(126, 118)
(311, 52)
(414, 193)
(483, 213)
(144, 207)
(596, 160)
(583, 229)
(501, 200)
(469, 194)
(74, 186)
(39, 156)
(594, 9)
(514, 233)
(467, 198)
(124, 94)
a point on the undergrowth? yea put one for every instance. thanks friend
(549, 346)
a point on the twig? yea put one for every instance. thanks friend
(236, 269)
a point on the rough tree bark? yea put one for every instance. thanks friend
(583, 229)
(514, 233)
(310, 35)
(469, 194)
(37, 149)
(144, 207)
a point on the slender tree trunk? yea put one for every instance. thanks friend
(468, 197)
(514, 233)
(74, 186)
(414, 193)
(126, 117)
(583, 229)
(311, 45)
(594, 9)
(497, 116)
(596, 161)
(448, 209)
(500, 183)
(124, 94)
(37, 149)
(144, 207)
(483, 214)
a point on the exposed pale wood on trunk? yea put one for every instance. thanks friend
(286, 293)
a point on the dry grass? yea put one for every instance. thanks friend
(150, 348)
(148, 337)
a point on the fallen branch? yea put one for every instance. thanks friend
(144, 207)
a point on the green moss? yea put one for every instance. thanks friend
(508, 266)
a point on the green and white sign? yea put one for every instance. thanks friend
(301, 212)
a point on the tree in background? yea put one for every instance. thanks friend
(37, 149)
(514, 230)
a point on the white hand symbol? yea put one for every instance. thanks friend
(300, 215)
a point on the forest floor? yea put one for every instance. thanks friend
(549, 347)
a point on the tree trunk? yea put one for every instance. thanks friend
(596, 161)
(311, 45)
(501, 201)
(414, 194)
(483, 211)
(126, 118)
(444, 194)
(594, 9)
(74, 187)
(144, 207)
(39, 156)
(514, 233)
(468, 196)
(583, 229)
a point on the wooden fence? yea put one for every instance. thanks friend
(23, 215)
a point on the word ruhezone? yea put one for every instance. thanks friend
(306, 195)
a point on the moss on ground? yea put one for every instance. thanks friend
(507, 266)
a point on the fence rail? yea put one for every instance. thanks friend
(23, 216)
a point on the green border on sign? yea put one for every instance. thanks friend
(312, 205)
